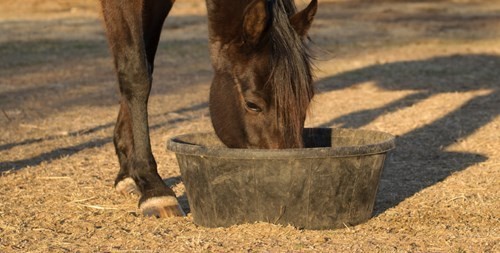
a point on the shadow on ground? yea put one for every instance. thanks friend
(420, 159)
(72, 150)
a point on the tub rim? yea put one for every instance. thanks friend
(386, 143)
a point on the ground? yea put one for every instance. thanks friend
(426, 71)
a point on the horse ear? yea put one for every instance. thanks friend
(255, 21)
(301, 21)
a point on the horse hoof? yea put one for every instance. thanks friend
(127, 187)
(162, 207)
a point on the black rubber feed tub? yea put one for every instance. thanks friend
(329, 184)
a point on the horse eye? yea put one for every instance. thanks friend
(253, 107)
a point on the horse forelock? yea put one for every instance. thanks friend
(291, 76)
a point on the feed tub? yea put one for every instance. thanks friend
(329, 184)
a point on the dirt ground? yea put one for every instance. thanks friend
(425, 71)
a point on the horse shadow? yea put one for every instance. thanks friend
(183, 200)
(420, 159)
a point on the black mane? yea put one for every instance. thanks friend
(292, 72)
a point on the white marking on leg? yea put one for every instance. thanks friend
(162, 202)
(127, 186)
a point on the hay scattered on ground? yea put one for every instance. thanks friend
(424, 71)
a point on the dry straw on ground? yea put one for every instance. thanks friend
(426, 71)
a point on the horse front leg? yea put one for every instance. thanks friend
(133, 29)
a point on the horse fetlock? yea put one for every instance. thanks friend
(162, 207)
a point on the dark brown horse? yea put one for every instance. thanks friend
(259, 95)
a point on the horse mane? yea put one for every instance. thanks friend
(291, 75)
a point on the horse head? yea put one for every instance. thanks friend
(262, 85)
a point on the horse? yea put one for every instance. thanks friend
(260, 92)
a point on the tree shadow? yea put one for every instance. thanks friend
(74, 149)
(420, 159)
(66, 72)
(53, 137)
(357, 26)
